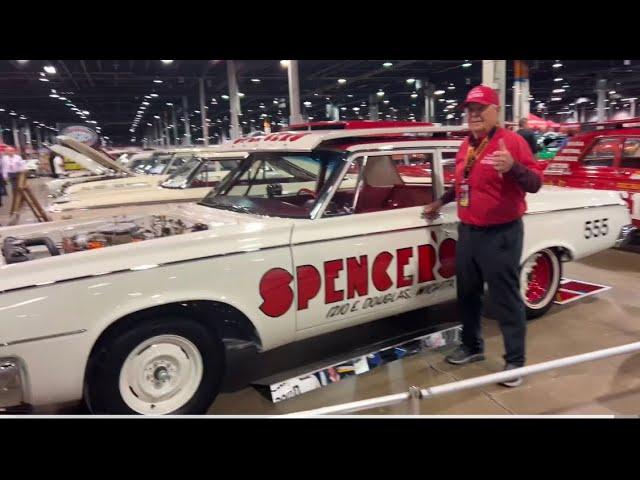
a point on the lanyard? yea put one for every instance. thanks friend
(474, 152)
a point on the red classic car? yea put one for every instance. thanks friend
(604, 156)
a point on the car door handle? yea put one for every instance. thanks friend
(434, 216)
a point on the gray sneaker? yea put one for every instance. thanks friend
(513, 382)
(462, 355)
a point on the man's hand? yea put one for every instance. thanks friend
(502, 159)
(431, 210)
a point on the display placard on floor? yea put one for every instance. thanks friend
(572, 290)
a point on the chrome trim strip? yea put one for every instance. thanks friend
(133, 269)
(45, 337)
(576, 208)
(286, 245)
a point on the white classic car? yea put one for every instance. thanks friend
(190, 183)
(149, 169)
(131, 315)
(152, 173)
(97, 165)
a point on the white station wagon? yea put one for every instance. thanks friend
(131, 315)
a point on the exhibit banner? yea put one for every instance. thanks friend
(80, 133)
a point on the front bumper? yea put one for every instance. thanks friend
(11, 386)
(626, 234)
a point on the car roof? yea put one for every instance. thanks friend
(343, 138)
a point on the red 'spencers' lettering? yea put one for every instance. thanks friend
(308, 279)
(357, 278)
(275, 291)
(331, 271)
(277, 294)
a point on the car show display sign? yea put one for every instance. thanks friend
(307, 382)
(572, 290)
(80, 133)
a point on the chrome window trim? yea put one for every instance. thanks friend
(44, 337)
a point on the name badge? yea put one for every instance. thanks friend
(464, 198)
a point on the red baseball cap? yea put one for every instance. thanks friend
(483, 95)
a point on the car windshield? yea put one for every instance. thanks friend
(277, 184)
(199, 172)
(153, 165)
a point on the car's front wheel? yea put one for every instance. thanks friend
(159, 366)
(539, 282)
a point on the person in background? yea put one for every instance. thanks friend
(58, 166)
(528, 134)
(494, 170)
(13, 164)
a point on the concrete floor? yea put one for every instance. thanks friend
(609, 386)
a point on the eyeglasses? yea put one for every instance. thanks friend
(476, 108)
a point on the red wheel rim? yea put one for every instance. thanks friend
(540, 279)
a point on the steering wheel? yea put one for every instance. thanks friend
(307, 192)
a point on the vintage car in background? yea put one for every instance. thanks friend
(549, 144)
(166, 163)
(190, 183)
(603, 156)
(131, 314)
(96, 165)
(109, 173)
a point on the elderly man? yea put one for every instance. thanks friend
(494, 169)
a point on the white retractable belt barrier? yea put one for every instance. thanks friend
(415, 394)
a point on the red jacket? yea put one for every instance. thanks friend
(495, 198)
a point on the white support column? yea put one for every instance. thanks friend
(429, 112)
(515, 104)
(16, 135)
(494, 73)
(524, 94)
(203, 114)
(332, 112)
(27, 136)
(187, 127)
(167, 133)
(174, 121)
(373, 107)
(294, 93)
(632, 109)
(501, 82)
(234, 101)
(601, 90)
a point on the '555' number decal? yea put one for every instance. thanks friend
(596, 228)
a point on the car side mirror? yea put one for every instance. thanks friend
(274, 189)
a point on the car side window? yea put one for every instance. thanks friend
(381, 182)
(449, 167)
(602, 153)
(178, 162)
(206, 177)
(631, 153)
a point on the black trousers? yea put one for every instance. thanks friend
(491, 255)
